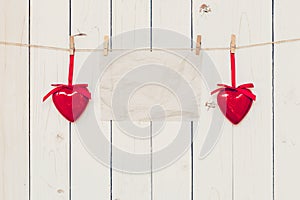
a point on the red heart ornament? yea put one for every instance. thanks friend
(70, 102)
(234, 104)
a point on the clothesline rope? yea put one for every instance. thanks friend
(92, 50)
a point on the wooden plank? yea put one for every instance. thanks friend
(131, 178)
(14, 119)
(287, 96)
(50, 131)
(172, 167)
(252, 149)
(253, 136)
(174, 16)
(213, 174)
(286, 119)
(90, 177)
(172, 180)
(129, 16)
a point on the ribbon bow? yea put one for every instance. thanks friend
(244, 89)
(80, 88)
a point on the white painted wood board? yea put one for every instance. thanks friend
(286, 98)
(14, 102)
(130, 16)
(90, 178)
(49, 130)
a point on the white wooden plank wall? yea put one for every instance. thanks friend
(41, 154)
(287, 98)
(90, 179)
(252, 140)
(14, 102)
(49, 131)
(214, 174)
(174, 181)
(127, 16)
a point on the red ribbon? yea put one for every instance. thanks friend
(71, 68)
(232, 62)
(80, 88)
(244, 88)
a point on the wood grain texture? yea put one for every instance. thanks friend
(253, 136)
(172, 180)
(131, 184)
(287, 98)
(240, 166)
(50, 131)
(173, 16)
(14, 119)
(90, 178)
(213, 174)
(129, 16)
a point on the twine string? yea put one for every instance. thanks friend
(92, 50)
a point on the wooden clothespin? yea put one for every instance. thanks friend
(198, 45)
(233, 44)
(105, 45)
(72, 42)
(72, 45)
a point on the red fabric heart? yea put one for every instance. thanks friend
(234, 104)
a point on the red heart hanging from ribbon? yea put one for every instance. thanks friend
(234, 102)
(70, 100)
